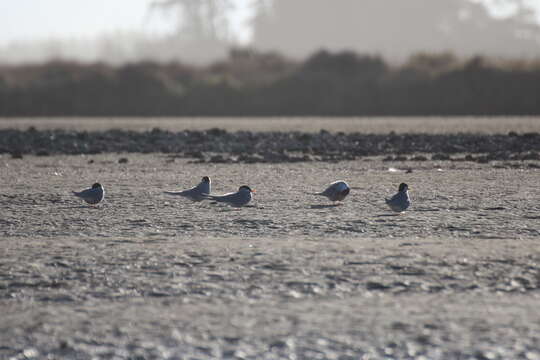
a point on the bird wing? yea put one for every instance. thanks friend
(340, 185)
(89, 194)
(394, 199)
(335, 188)
(202, 188)
(180, 193)
(331, 191)
(398, 202)
(236, 199)
(224, 198)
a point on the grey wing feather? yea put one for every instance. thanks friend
(196, 193)
(222, 198)
(180, 193)
(335, 191)
(235, 199)
(92, 196)
(399, 202)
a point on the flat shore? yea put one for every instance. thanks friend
(377, 125)
(148, 276)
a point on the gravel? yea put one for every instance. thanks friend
(221, 146)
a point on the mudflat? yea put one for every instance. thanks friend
(145, 275)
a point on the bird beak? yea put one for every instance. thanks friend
(252, 190)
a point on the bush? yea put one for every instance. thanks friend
(252, 83)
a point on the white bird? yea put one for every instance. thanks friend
(236, 199)
(336, 191)
(93, 195)
(400, 201)
(197, 193)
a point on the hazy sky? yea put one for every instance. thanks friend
(28, 20)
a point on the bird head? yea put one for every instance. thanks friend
(403, 187)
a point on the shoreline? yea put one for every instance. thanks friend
(375, 125)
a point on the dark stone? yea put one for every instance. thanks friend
(533, 155)
(218, 159)
(440, 157)
(372, 285)
(216, 132)
(482, 159)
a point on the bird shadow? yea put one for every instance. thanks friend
(327, 206)
(233, 207)
(226, 208)
(388, 215)
(81, 207)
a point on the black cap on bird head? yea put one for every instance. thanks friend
(245, 187)
(206, 179)
(403, 187)
(96, 186)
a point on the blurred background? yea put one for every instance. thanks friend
(269, 57)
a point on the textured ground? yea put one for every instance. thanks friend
(144, 275)
(221, 146)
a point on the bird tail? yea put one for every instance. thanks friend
(173, 193)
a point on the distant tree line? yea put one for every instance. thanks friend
(252, 83)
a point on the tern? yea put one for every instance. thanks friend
(400, 201)
(336, 191)
(93, 195)
(236, 199)
(197, 193)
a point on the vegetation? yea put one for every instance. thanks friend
(252, 83)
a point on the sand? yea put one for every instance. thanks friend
(148, 276)
(378, 125)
